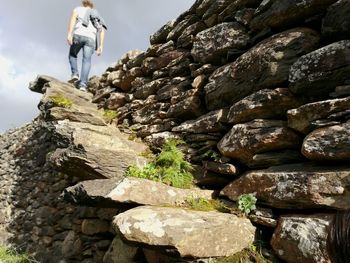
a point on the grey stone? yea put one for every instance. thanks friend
(190, 233)
(317, 74)
(298, 186)
(211, 45)
(302, 238)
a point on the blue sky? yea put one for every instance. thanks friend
(33, 41)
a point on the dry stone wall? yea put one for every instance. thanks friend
(258, 90)
(258, 86)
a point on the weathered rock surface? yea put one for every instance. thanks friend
(317, 74)
(300, 238)
(264, 104)
(303, 118)
(267, 65)
(283, 13)
(94, 151)
(336, 23)
(243, 141)
(211, 45)
(296, 186)
(131, 191)
(328, 144)
(80, 110)
(120, 252)
(210, 122)
(182, 230)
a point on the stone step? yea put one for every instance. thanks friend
(133, 191)
(188, 233)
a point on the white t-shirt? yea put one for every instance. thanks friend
(79, 29)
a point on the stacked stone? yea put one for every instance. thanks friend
(33, 217)
(258, 89)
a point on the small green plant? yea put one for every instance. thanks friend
(110, 115)
(132, 137)
(202, 204)
(8, 255)
(61, 101)
(211, 155)
(169, 167)
(246, 203)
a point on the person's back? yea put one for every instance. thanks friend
(82, 31)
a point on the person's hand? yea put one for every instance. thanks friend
(70, 39)
(99, 51)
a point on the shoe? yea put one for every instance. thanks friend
(83, 89)
(73, 79)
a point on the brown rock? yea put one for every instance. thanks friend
(263, 104)
(258, 136)
(298, 186)
(328, 144)
(188, 108)
(282, 13)
(302, 118)
(211, 45)
(92, 152)
(79, 110)
(94, 226)
(221, 168)
(210, 122)
(120, 252)
(267, 65)
(336, 23)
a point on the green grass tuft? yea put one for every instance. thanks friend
(8, 255)
(60, 101)
(202, 204)
(169, 167)
(110, 115)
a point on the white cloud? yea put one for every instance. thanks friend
(29, 46)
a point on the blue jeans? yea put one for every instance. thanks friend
(88, 46)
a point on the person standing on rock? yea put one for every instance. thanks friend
(85, 28)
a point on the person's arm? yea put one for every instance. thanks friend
(71, 26)
(102, 40)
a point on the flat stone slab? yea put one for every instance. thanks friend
(190, 233)
(295, 186)
(131, 190)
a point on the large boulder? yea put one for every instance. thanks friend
(89, 151)
(300, 238)
(319, 72)
(263, 104)
(298, 186)
(305, 118)
(283, 13)
(189, 233)
(336, 23)
(328, 144)
(246, 140)
(267, 65)
(211, 45)
(131, 191)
